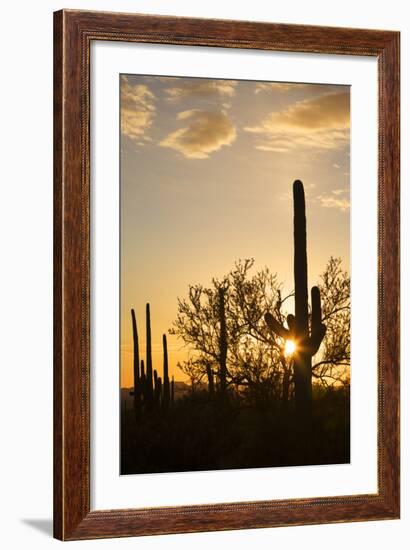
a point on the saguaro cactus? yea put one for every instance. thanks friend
(166, 392)
(149, 383)
(223, 341)
(137, 388)
(307, 343)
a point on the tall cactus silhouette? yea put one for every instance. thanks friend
(166, 387)
(307, 342)
(223, 343)
(172, 390)
(149, 383)
(137, 386)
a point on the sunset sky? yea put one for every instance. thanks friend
(207, 168)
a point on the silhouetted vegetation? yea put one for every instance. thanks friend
(150, 390)
(267, 387)
(201, 433)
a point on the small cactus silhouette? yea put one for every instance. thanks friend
(149, 382)
(159, 393)
(210, 376)
(157, 390)
(137, 388)
(172, 390)
(150, 390)
(166, 390)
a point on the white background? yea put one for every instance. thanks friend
(26, 272)
(108, 489)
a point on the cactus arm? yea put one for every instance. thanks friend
(316, 306)
(316, 339)
(318, 329)
(276, 327)
(291, 323)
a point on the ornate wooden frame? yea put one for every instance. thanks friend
(73, 33)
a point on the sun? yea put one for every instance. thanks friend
(290, 347)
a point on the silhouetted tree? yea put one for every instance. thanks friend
(331, 365)
(194, 369)
(223, 339)
(256, 365)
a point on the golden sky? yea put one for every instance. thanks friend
(207, 168)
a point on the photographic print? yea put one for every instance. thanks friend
(234, 274)
(203, 246)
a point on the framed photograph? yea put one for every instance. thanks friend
(226, 275)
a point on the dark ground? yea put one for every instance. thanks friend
(200, 433)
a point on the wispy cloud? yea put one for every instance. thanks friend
(272, 87)
(336, 199)
(278, 86)
(137, 110)
(282, 87)
(201, 89)
(319, 123)
(204, 133)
